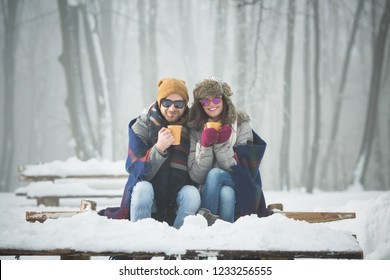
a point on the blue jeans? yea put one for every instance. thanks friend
(142, 202)
(218, 194)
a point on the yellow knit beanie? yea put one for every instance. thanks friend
(168, 86)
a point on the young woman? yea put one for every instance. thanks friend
(215, 161)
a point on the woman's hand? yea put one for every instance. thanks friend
(209, 137)
(224, 133)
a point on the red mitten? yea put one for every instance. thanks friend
(209, 137)
(224, 133)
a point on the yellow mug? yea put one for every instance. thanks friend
(176, 132)
(215, 125)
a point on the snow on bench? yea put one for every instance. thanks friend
(73, 178)
(250, 237)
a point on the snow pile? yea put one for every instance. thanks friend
(76, 167)
(79, 187)
(88, 231)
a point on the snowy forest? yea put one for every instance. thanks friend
(313, 76)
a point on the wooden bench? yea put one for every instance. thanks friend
(87, 205)
(70, 254)
(47, 185)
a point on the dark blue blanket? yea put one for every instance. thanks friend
(246, 176)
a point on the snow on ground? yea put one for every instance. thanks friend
(88, 231)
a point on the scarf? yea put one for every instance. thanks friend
(172, 175)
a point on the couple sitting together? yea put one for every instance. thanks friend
(212, 171)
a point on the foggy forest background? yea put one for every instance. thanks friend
(313, 76)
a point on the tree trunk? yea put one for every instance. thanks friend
(241, 51)
(152, 49)
(220, 39)
(108, 45)
(317, 102)
(286, 133)
(148, 49)
(371, 115)
(256, 49)
(100, 81)
(307, 93)
(188, 43)
(10, 13)
(76, 102)
(340, 97)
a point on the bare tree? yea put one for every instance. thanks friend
(317, 102)
(76, 101)
(307, 92)
(340, 95)
(286, 133)
(10, 10)
(108, 46)
(148, 49)
(188, 43)
(241, 51)
(375, 86)
(379, 165)
(100, 81)
(259, 18)
(220, 39)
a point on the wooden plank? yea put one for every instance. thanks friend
(319, 217)
(275, 254)
(38, 178)
(310, 217)
(191, 254)
(33, 216)
(48, 200)
(42, 216)
(55, 200)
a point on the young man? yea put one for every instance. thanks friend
(159, 185)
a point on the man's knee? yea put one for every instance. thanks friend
(189, 197)
(142, 193)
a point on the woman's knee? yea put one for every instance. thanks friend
(214, 173)
(227, 194)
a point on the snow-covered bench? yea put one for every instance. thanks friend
(73, 178)
(284, 235)
(248, 238)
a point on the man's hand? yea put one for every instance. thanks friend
(165, 139)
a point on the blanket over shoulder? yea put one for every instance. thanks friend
(136, 166)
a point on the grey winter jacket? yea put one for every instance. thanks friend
(202, 159)
(140, 127)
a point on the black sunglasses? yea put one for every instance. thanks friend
(179, 104)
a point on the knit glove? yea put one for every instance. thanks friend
(224, 133)
(209, 137)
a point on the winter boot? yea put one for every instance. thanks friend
(210, 218)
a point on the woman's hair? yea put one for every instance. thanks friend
(207, 88)
(198, 116)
